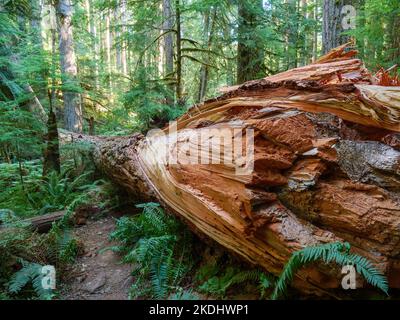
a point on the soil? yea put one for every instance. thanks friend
(98, 274)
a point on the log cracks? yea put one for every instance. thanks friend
(316, 177)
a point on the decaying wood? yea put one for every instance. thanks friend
(43, 223)
(336, 83)
(317, 178)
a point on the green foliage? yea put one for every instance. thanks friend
(30, 194)
(29, 273)
(147, 99)
(28, 251)
(331, 252)
(217, 283)
(20, 131)
(376, 33)
(158, 246)
(182, 294)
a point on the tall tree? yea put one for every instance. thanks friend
(168, 24)
(178, 89)
(250, 54)
(35, 20)
(72, 100)
(332, 31)
(394, 31)
(210, 17)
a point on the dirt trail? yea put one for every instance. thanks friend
(97, 275)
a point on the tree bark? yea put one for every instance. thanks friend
(332, 24)
(168, 25)
(250, 58)
(51, 154)
(42, 223)
(209, 26)
(72, 101)
(178, 89)
(316, 178)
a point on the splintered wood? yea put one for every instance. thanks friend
(326, 167)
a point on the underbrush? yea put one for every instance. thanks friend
(169, 263)
(24, 253)
(27, 193)
(165, 266)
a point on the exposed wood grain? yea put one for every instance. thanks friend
(305, 188)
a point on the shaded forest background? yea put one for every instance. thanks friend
(123, 66)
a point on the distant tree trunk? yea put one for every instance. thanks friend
(53, 69)
(231, 65)
(209, 26)
(361, 20)
(292, 37)
(69, 70)
(178, 53)
(250, 61)
(203, 68)
(35, 21)
(394, 34)
(168, 45)
(123, 42)
(34, 104)
(315, 40)
(307, 40)
(117, 36)
(51, 155)
(332, 23)
(95, 46)
(331, 26)
(108, 47)
(91, 127)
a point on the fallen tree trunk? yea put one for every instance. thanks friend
(42, 223)
(314, 178)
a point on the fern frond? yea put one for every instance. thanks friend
(332, 252)
(29, 273)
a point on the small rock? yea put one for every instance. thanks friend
(95, 284)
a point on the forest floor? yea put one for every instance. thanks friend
(98, 274)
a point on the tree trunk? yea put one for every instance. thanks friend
(95, 45)
(178, 53)
(315, 35)
(51, 154)
(42, 223)
(124, 20)
(394, 34)
(250, 60)
(108, 47)
(72, 101)
(35, 21)
(295, 179)
(332, 28)
(209, 26)
(168, 46)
